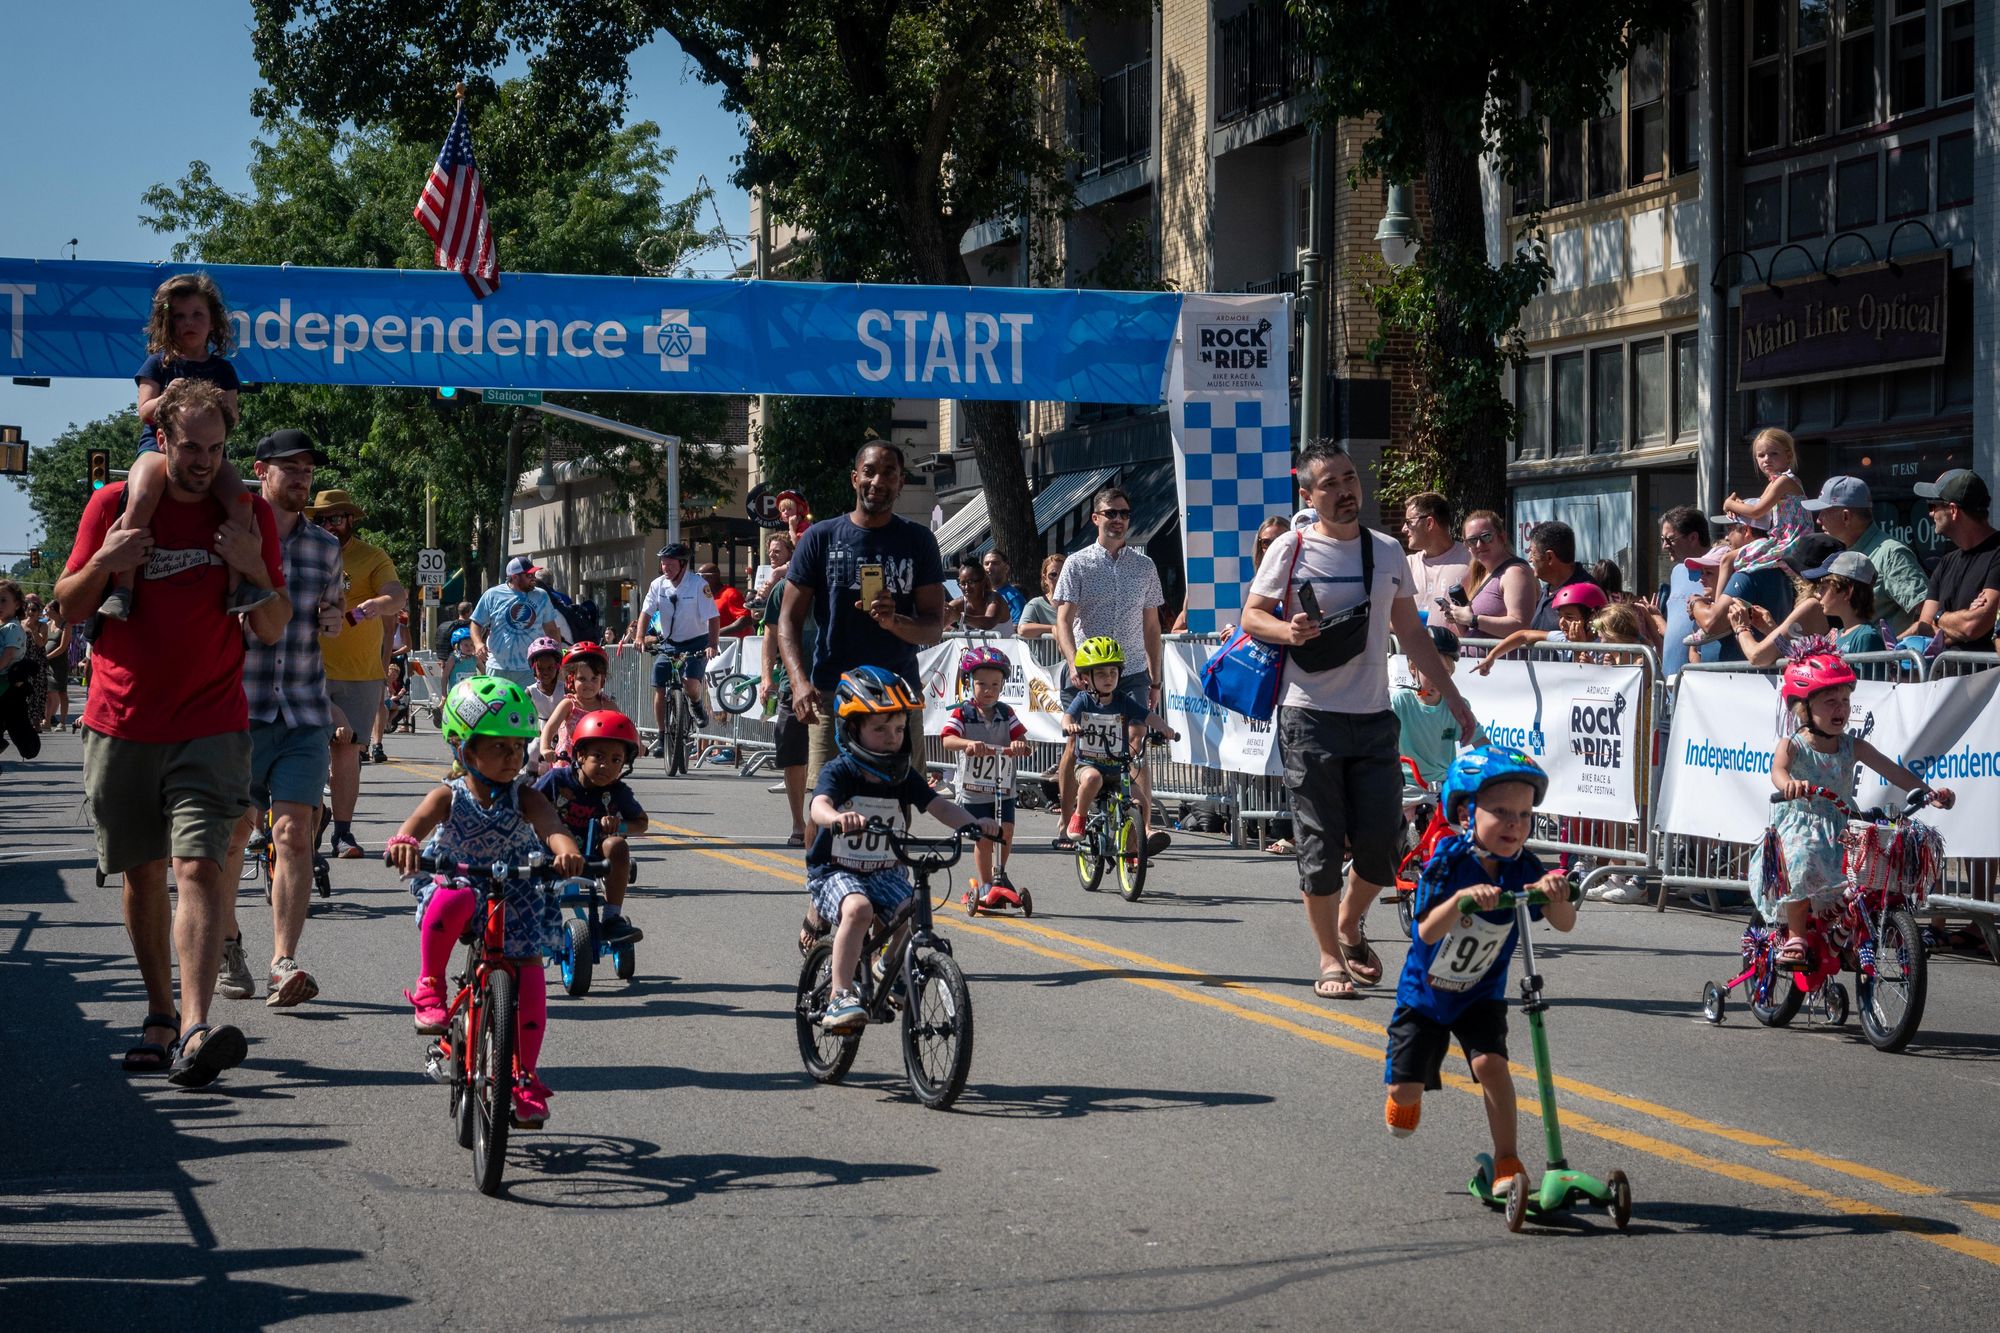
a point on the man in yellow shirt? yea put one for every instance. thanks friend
(354, 670)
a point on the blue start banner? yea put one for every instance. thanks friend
(639, 335)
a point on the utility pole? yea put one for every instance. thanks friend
(430, 542)
(1312, 343)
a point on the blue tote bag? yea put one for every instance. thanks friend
(1244, 673)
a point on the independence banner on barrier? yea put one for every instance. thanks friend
(87, 320)
(1210, 735)
(1727, 725)
(1579, 721)
(1230, 404)
(1033, 691)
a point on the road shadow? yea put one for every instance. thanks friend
(1068, 1101)
(669, 1078)
(102, 1216)
(603, 1171)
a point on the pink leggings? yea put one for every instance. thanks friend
(445, 917)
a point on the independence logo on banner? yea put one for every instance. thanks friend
(87, 320)
(1229, 396)
(1580, 722)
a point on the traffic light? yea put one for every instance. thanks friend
(34, 559)
(447, 393)
(100, 469)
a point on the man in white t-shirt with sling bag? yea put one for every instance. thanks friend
(1342, 589)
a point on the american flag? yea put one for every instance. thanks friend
(452, 212)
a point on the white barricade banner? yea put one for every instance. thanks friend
(1948, 734)
(1032, 691)
(1578, 721)
(1211, 735)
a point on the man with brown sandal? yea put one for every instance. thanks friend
(1344, 589)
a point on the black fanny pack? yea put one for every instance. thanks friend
(1343, 635)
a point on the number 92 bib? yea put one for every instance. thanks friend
(1465, 956)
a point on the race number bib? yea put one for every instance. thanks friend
(1465, 956)
(1102, 737)
(985, 773)
(868, 850)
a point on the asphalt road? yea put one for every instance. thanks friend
(1163, 1126)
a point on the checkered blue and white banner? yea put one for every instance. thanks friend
(1229, 400)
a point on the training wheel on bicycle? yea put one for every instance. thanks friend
(1713, 1002)
(1834, 998)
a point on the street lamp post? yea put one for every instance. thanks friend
(1397, 234)
(1312, 342)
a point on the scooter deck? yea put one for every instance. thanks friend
(1557, 1191)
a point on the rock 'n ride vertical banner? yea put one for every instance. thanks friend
(1229, 404)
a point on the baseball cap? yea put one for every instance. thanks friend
(1841, 493)
(1958, 486)
(520, 564)
(1848, 565)
(1714, 556)
(285, 443)
(1812, 549)
(1719, 521)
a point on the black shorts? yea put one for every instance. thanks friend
(790, 735)
(1418, 1044)
(1346, 785)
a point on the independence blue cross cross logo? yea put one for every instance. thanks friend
(674, 339)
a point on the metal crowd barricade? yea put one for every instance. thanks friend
(1613, 846)
(1705, 868)
(1968, 890)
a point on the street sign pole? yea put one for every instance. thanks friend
(430, 540)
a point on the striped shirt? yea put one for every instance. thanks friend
(286, 681)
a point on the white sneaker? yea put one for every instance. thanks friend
(1626, 891)
(1597, 892)
(776, 789)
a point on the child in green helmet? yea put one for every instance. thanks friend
(1108, 725)
(487, 816)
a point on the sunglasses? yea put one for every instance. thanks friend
(1115, 513)
(1480, 539)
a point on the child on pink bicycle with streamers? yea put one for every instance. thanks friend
(1795, 872)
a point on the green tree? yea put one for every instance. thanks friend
(1448, 83)
(343, 198)
(58, 485)
(808, 445)
(885, 130)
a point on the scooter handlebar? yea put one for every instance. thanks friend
(1534, 898)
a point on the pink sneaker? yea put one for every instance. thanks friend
(429, 1000)
(531, 1104)
(1076, 826)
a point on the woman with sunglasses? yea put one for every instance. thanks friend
(1501, 588)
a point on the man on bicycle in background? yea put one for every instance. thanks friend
(688, 623)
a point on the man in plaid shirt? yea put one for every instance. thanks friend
(291, 722)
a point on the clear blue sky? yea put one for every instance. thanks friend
(85, 137)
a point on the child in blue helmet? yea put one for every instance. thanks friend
(850, 869)
(1454, 981)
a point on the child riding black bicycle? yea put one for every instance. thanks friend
(1109, 725)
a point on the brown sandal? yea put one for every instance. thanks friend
(1334, 983)
(1361, 960)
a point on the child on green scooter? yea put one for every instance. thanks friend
(1455, 977)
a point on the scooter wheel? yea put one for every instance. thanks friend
(1712, 1002)
(1027, 902)
(1517, 1202)
(971, 901)
(1621, 1199)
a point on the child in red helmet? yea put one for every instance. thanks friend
(593, 801)
(1796, 869)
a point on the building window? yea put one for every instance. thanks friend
(1854, 188)
(1687, 387)
(1909, 181)
(1764, 84)
(1565, 164)
(1605, 176)
(1954, 52)
(1857, 64)
(1647, 117)
(1531, 399)
(1808, 204)
(1569, 404)
(1954, 170)
(1649, 392)
(1763, 213)
(1607, 399)
(1907, 65)
(1684, 79)
(1812, 25)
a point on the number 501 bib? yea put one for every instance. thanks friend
(868, 850)
(1465, 956)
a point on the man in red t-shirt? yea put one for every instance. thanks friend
(166, 746)
(732, 613)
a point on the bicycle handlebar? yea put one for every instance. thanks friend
(538, 867)
(927, 852)
(1534, 897)
(1915, 801)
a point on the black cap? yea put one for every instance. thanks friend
(1812, 551)
(285, 443)
(1960, 486)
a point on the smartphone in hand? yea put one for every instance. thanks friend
(871, 583)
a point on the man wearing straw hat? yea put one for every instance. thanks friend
(353, 658)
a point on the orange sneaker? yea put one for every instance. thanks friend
(1402, 1119)
(1508, 1169)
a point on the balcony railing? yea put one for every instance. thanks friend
(1264, 60)
(1116, 129)
(1286, 282)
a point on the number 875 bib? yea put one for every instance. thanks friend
(1465, 956)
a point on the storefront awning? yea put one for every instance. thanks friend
(1058, 499)
(1155, 503)
(968, 526)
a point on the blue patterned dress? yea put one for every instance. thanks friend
(480, 835)
(1808, 831)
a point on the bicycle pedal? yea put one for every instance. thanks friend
(436, 1065)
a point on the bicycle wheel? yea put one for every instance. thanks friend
(736, 694)
(937, 1030)
(682, 725)
(578, 957)
(1089, 856)
(461, 1095)
(1774, 996)
(492, 1088)
(1131, 841)
(1892, 1005)
(827, 1055)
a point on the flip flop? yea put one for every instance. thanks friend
(1335, 975)
(221, 1048)
(796, 840)
(1361, 959)
(150, 1057)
